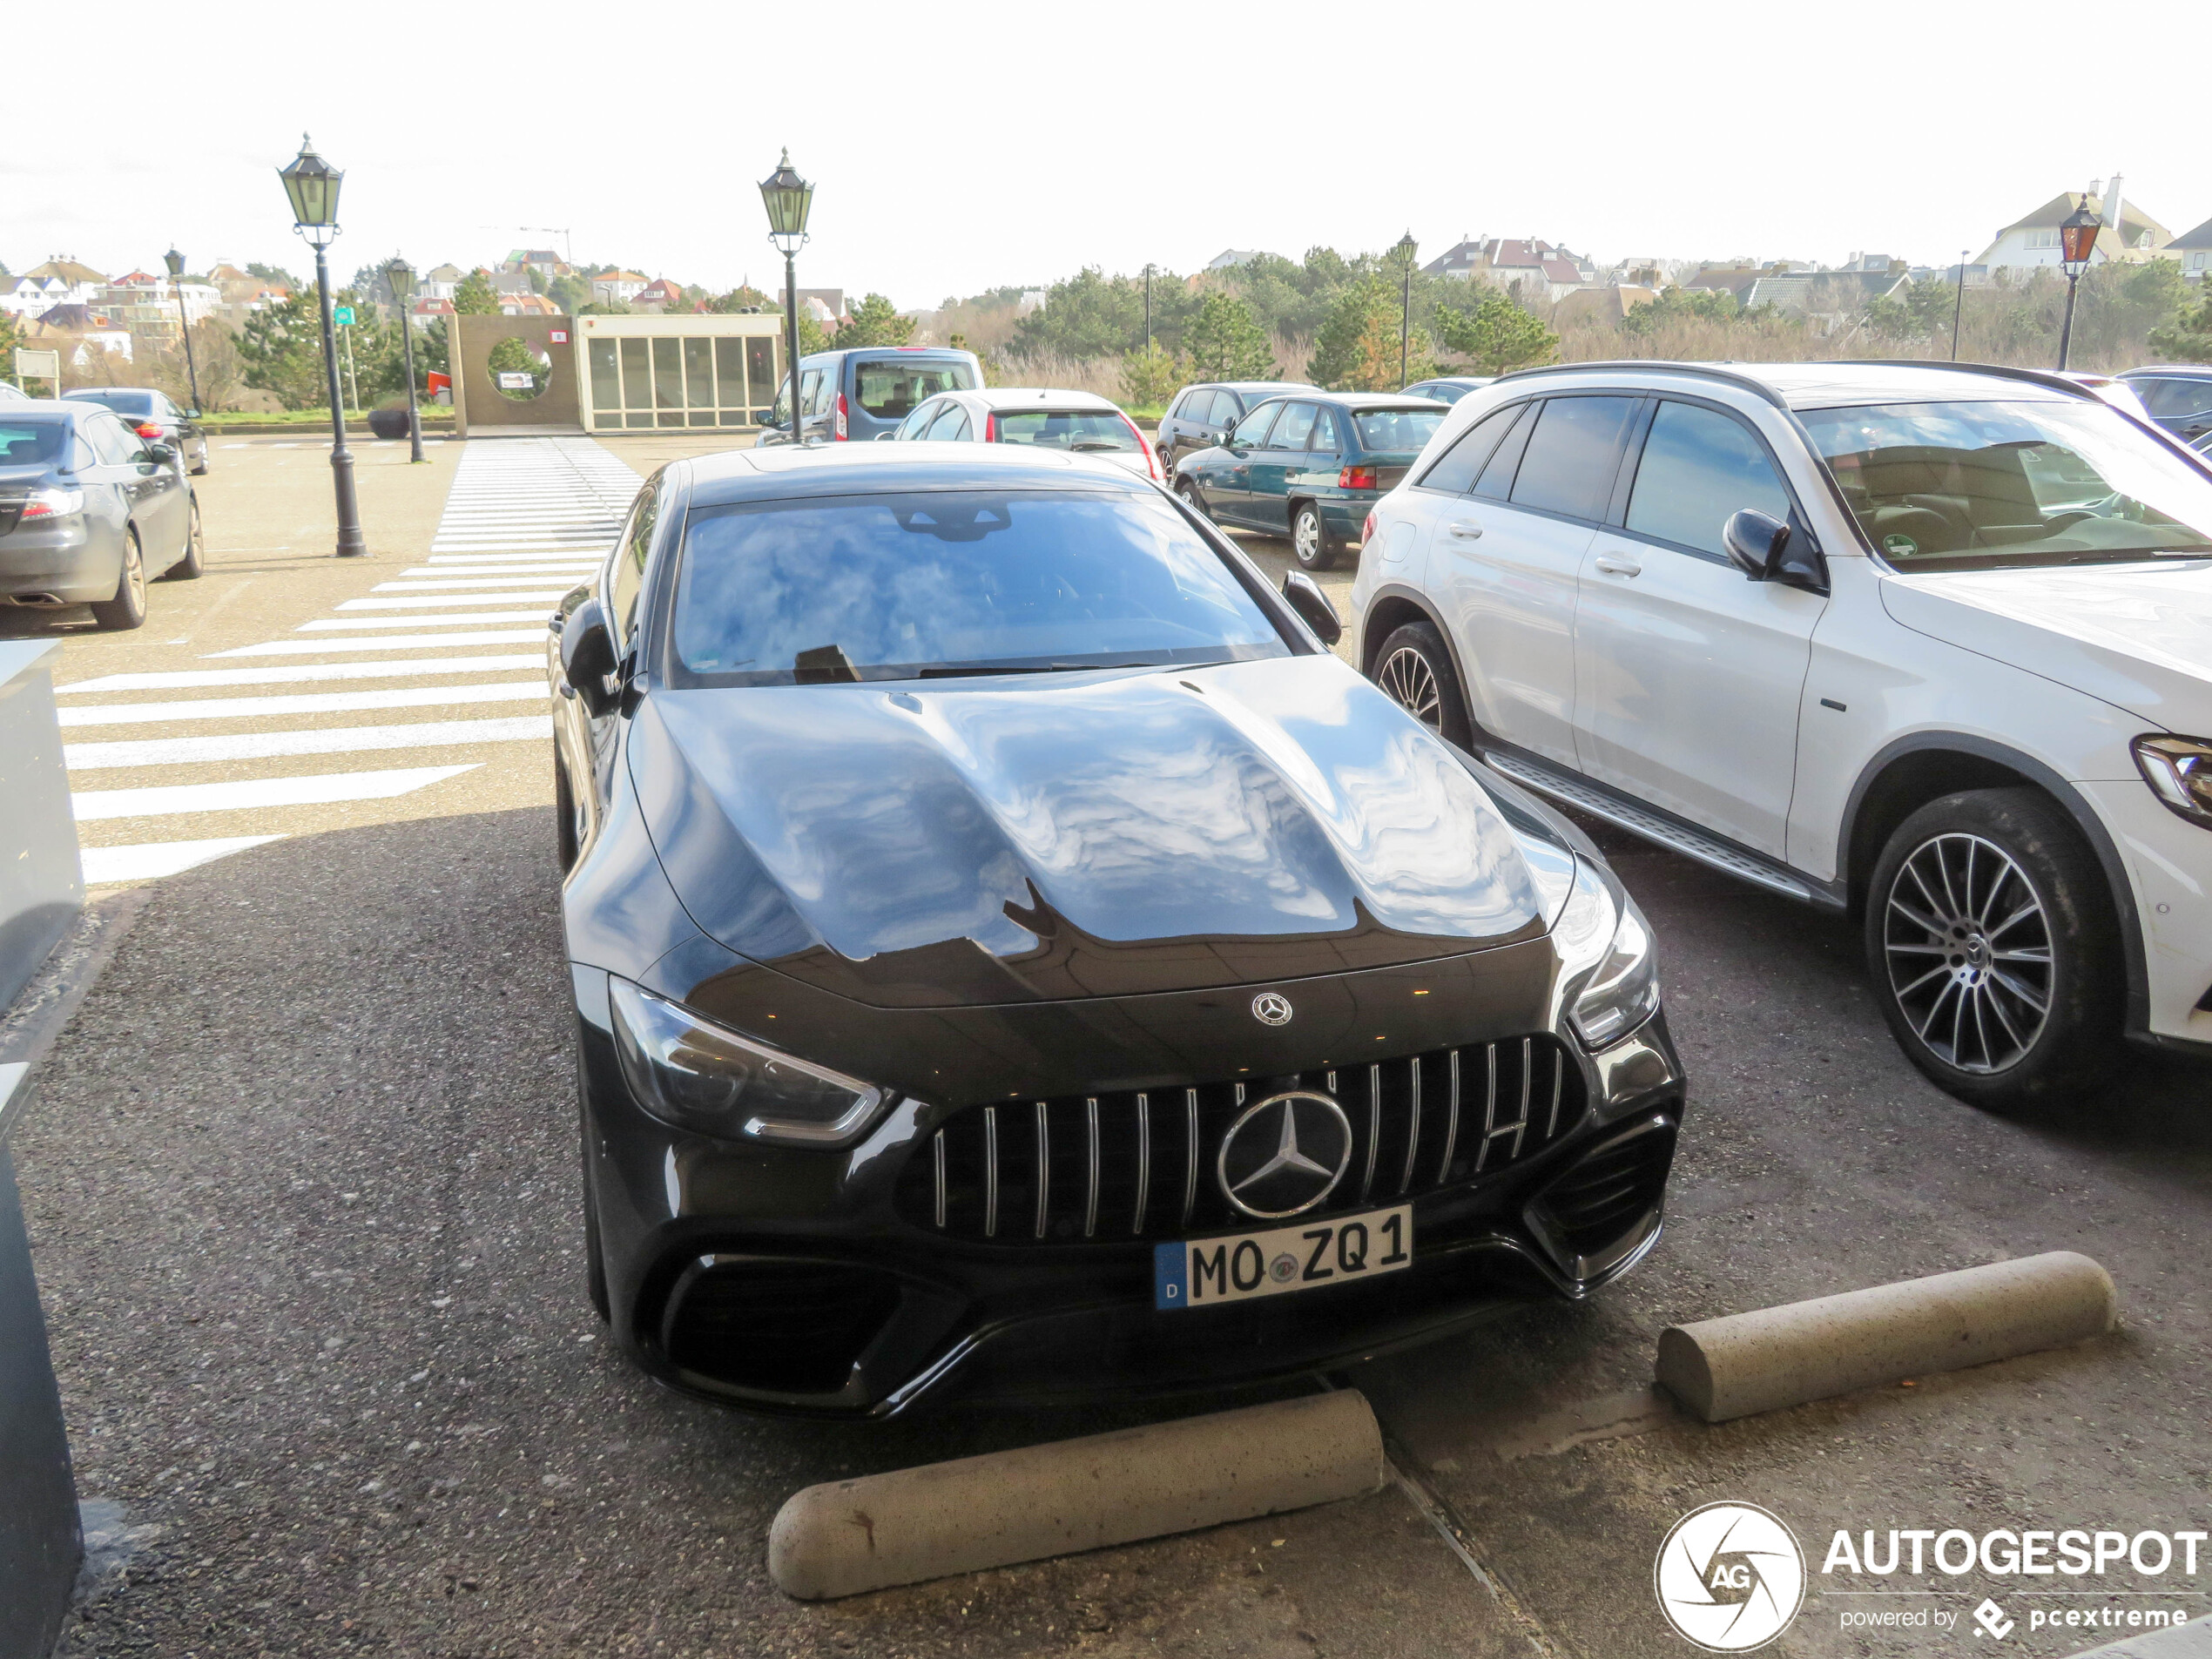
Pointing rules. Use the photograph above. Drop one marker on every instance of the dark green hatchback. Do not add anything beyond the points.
(1310, 466)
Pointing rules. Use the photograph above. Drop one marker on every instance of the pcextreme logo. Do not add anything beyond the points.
(1730, 1577)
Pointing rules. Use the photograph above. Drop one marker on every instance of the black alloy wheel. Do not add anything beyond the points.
(128, 608)
(193, 565)
(1415, 672)
(1313, 541)
(1992, 947)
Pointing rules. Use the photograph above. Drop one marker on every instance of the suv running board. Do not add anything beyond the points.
(1587, 797)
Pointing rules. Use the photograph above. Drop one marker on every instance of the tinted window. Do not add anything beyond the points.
(1573, 455)
(1496, 483)
(1197, 407)
(1381, 430)
(949, 426)
(1087, 431)
(1456, 468)
(890, 389)
(1292, 427)
(912, 426)
(629, 564)
(2170, 400)
(1326, 439)
(900, 587)
(1699, 467)
(31, 443)
(814, 390)
(115, 445)
(121, 403)
(1253, 427)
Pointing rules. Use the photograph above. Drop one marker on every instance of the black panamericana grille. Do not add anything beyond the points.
(1141, 1165)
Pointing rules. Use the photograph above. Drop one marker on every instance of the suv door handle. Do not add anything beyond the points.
(1614, 565)
(1466, 529)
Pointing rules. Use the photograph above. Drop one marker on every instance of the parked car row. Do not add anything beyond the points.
(91, 509)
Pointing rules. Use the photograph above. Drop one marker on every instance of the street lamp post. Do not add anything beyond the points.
(175, 261)
(789, 198)
(1958, 307)
(2077, 240)
(1405, 249)
(399, 276)
(312, 185)
(1149, 270)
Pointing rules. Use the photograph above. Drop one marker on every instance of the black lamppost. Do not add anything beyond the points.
(312, 185)
(1149, 270)
(2077, 240)
(1405, 249)
(789, 198)
(175, 261)
(399, 276)
(1958, 307)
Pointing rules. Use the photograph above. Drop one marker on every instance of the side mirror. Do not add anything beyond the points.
(588, 655)
(1754, 544)
(162, 453)
(1313, 606)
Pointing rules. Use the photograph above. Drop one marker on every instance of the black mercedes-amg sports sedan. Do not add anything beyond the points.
(1013, 956)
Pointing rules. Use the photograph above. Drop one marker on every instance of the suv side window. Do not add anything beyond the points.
(629, 568)
(1458, 468)
(1699, 467)
(1496, 481)
(2170, 400)
(1573, 456)
(1196, 406)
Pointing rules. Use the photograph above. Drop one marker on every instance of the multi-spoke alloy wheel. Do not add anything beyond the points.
(1968, 943)
(1407, 678)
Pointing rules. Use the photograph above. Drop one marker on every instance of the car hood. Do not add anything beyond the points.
(1035, 838)
(2138, 636)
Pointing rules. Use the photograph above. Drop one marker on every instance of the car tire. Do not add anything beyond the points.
(1415, 672)
(568, 843)
(1193, 497)
(193, 564)
(1983, 905)
(128, 608)
(1313, 543)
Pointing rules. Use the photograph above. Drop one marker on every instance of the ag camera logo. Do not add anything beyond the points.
(1730, 1577)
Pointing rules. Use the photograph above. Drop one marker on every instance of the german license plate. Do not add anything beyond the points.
(1199, 1273)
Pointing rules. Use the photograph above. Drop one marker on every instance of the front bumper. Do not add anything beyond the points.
(2169, 870)
(794, 1281)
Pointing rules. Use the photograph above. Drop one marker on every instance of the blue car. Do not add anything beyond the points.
(1310, 466)
(1449, 388)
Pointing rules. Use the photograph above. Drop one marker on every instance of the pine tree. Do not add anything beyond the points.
(1357, 349)
(1498, 334)
(876, 322)
(1226, 342)
(474, 298)
(281, 346)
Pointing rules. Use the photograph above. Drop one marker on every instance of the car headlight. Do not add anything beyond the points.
(1609, 963)
(689, 1072)
(2179, 772)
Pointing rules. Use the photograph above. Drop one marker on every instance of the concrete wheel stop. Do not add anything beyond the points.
(1773, 1358)
(845, 1537)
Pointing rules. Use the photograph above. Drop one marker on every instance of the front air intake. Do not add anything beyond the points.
(779, 1326)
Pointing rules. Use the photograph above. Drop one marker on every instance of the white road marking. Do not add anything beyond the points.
(169, 801)
(450, 601)
(502, 580)
(149, 860)
(466, 616)
(411, 642)
(250, 708)
(192, 678)
(268, 746)
(525, 561)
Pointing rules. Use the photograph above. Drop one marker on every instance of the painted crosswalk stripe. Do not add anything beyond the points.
(449, 601)
(150, 860)
(454, 574)
(471, 560)
(460, 586)
(269, 746)
(170, 800)
(255, 708)
(467, 617)
(369, 642)
(299, 673)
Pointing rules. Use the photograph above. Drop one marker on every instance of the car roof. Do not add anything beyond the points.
(1356, 402)
(787, 470)
(1271, 387)
(1011, 397)
(91, 393)
(50, 406)
(2169, 371)
(886, 351)
(1824, 385)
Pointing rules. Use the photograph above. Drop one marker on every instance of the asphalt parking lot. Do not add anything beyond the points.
(302, 1184)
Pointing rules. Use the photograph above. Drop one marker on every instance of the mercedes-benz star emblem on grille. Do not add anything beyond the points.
(1285, 1155)
(1271, 1007)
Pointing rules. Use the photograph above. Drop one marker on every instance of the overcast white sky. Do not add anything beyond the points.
(963, 145)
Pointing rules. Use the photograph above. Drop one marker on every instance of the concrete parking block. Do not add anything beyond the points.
(1773, 1358)
(844, 1537)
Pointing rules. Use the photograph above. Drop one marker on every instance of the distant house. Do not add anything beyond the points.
(544, 261)
(1827, 299)
(1544, 271)
(659, 294)
(617, 288)
(527, 305)
(2193, 249)
(1737, 279)
(80, 332)
(1229, 258)
(146, 305)
(831, 301)
(441, 282)
(2031, 243)
(430, 309)
(59, 281)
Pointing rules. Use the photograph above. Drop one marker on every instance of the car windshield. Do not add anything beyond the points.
(1079, 429)
(31, 443)
(1382, 429)
(1980, 486)
(121, 403)
(889, 390)
(928, 584)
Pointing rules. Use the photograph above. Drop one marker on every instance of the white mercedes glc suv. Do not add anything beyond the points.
(1929, 645)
